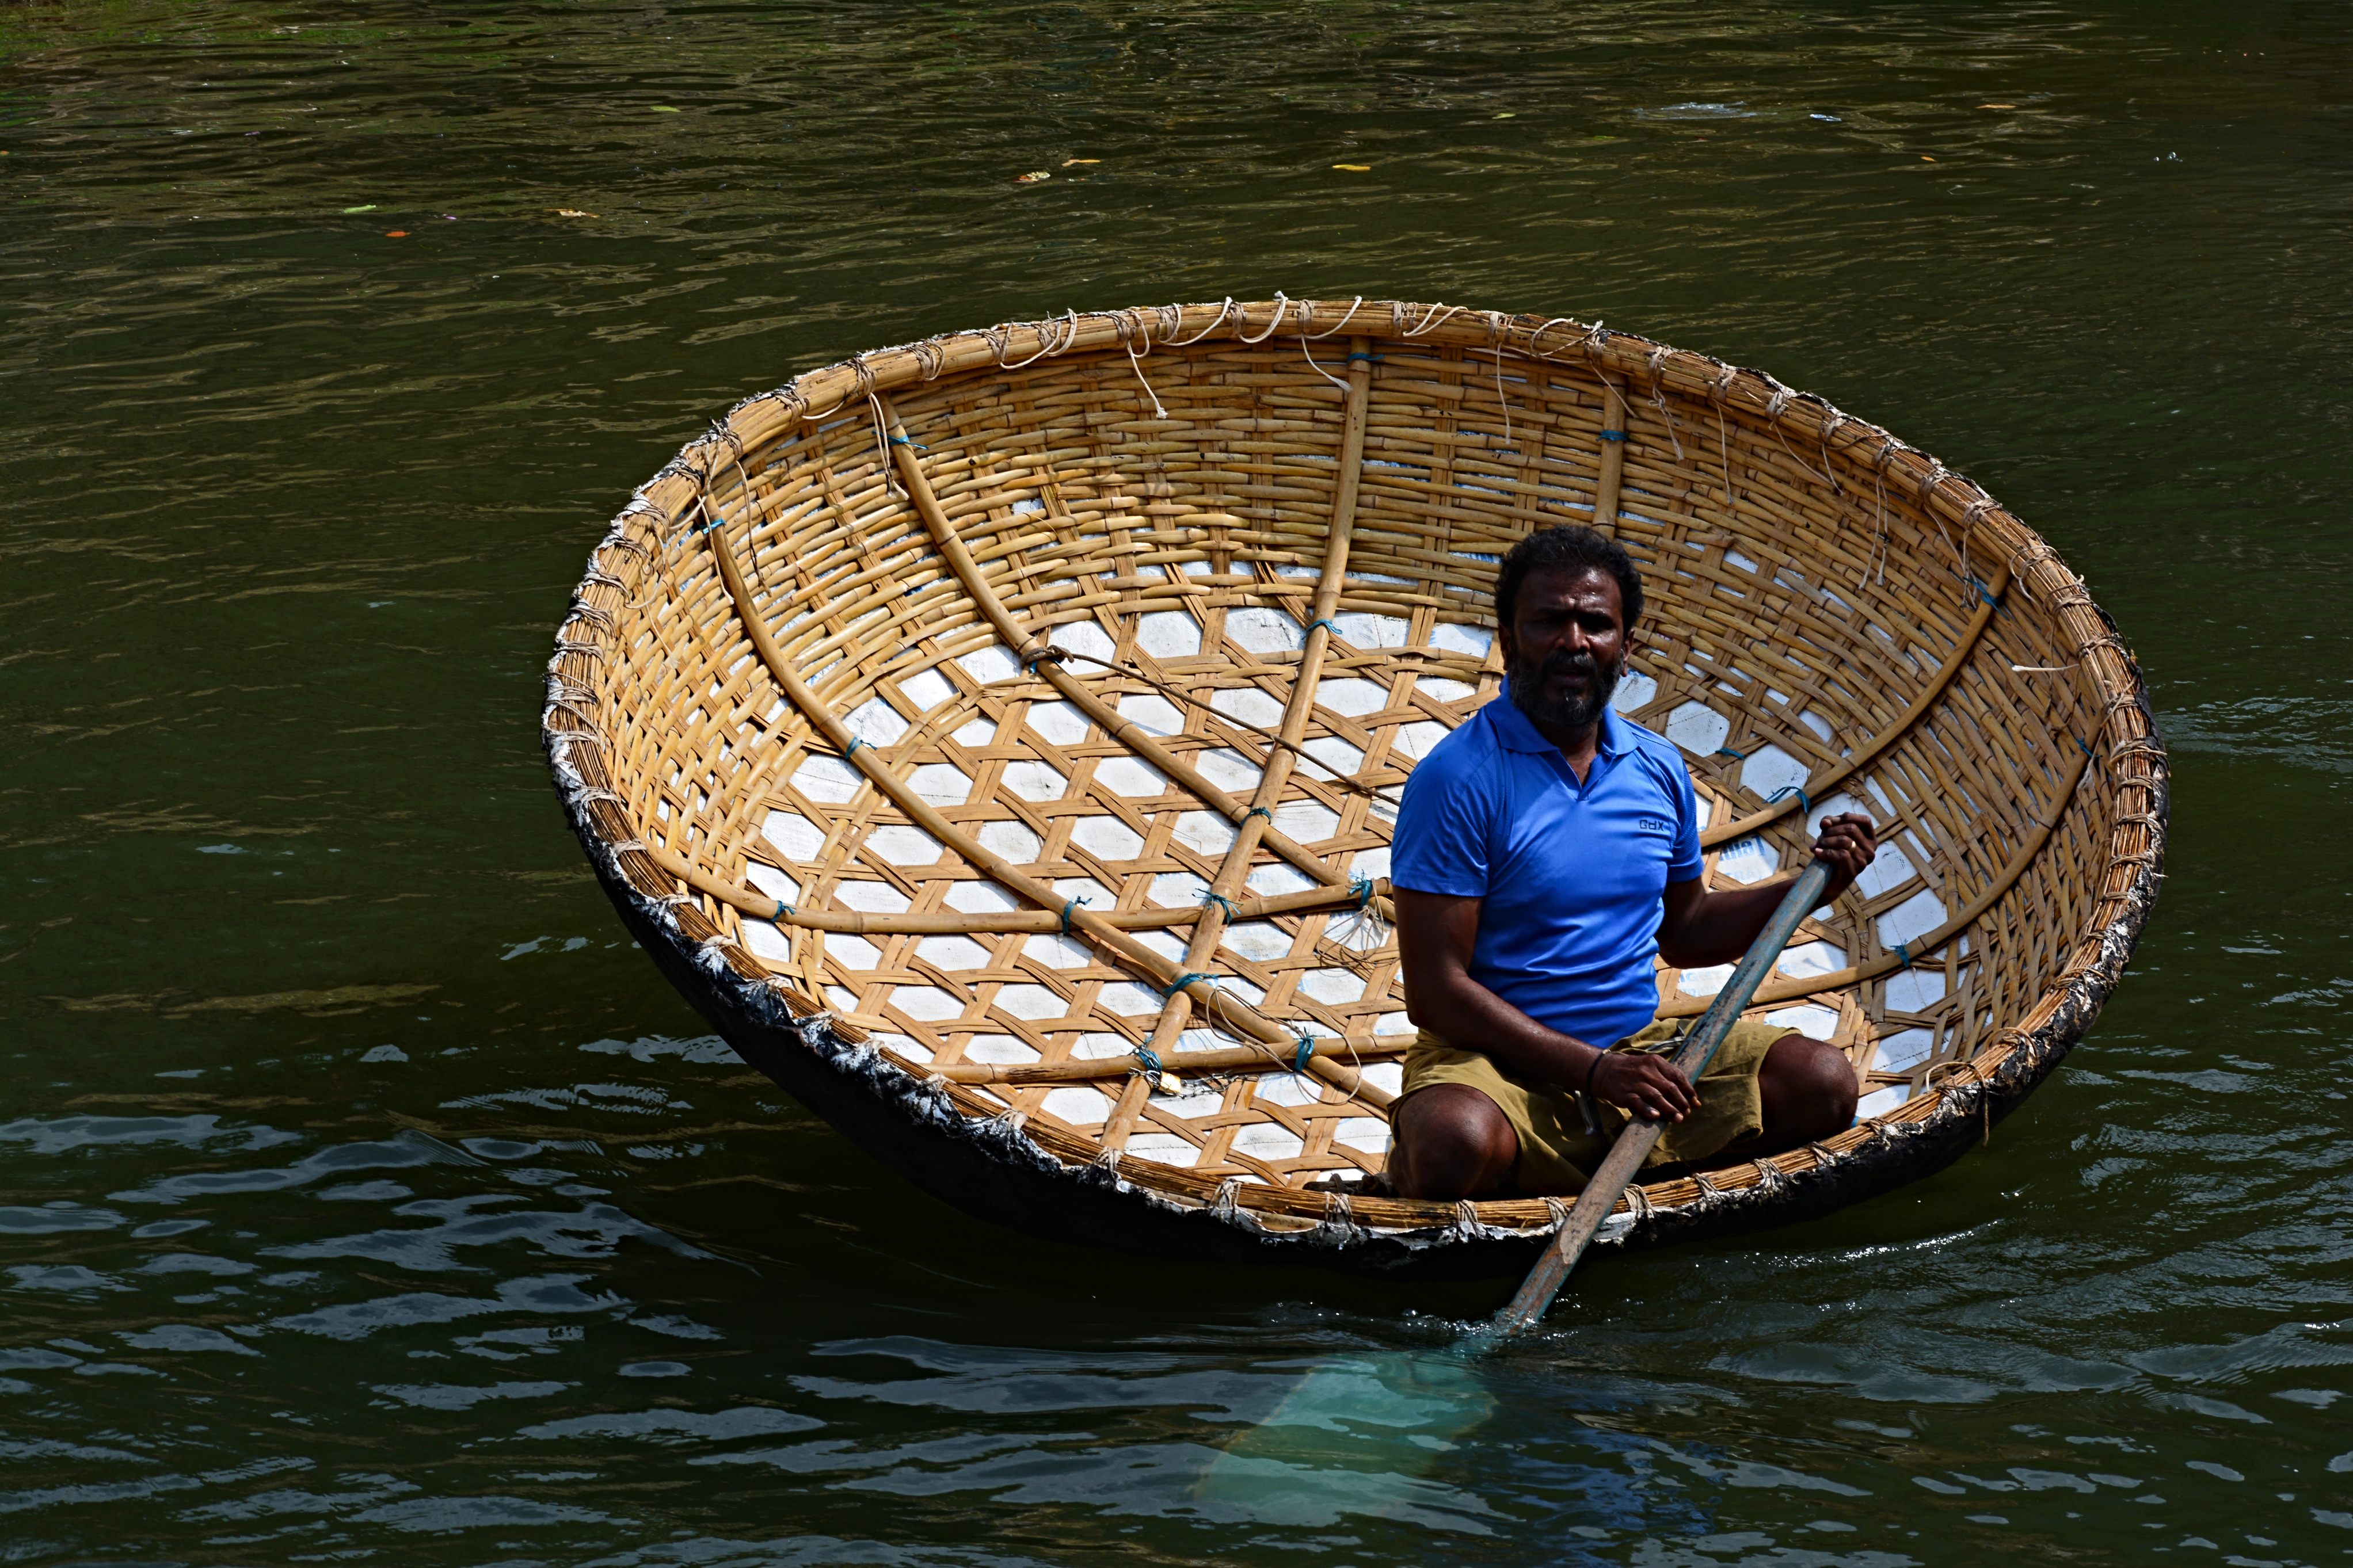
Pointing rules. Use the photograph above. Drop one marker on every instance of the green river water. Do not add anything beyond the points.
(365, 1196)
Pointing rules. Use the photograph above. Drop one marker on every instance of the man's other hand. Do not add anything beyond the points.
(1848, 843)
(1645, 1085)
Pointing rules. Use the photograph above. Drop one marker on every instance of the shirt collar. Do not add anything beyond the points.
(1516, 735)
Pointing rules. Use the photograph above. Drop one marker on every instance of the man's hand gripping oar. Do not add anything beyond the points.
(1634, 1144)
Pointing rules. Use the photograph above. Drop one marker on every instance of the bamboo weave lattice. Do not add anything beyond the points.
(1037, 702)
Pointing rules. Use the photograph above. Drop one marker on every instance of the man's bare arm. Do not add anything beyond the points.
(1435, 935)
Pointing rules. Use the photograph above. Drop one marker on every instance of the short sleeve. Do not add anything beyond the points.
(1683, 865)
(1440, 844)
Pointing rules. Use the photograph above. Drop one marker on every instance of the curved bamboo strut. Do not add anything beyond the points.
(1225, 1059)
(756, 905)
(1135, 954)
(1033, 653)
(1202, 950)
(1822, 784)
(1839, 980)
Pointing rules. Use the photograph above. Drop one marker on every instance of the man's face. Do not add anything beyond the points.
(1565, 649)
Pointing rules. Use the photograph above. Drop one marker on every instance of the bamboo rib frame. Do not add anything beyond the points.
(866, 706)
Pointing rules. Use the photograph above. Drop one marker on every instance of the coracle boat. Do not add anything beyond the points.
(997, 737)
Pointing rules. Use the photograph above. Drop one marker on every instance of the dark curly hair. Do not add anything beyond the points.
(1569, 547)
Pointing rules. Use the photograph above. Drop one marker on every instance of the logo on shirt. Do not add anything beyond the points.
(1654, 825)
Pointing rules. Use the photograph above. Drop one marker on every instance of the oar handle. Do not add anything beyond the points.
(1634, 1144)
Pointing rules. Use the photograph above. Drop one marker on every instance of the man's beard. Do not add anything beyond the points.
(1526, 681)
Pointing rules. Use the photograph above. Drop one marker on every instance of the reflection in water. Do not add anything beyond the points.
(363, 1194)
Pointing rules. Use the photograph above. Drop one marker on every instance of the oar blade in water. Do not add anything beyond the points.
(1356, 1433)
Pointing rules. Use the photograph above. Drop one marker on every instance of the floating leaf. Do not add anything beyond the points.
(1355, 168)
(395, 234)
(570, 212)
(666, 109)
(1509, 115)
(1032, 177)
(369, 207)
(1997, 106)
(1925, 159)
(1068, 161)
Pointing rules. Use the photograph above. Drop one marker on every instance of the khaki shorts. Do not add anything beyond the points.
(1556, 1149)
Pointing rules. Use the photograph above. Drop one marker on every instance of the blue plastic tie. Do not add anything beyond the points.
(903, 441)
(1222, 902)
(2079, 744)
(1257, 811)
(1184, 980)
(1904, 955)
(1305, 1052)
(714, 524)
(850, 749)
(1613, 435)
(1728, 752)
(1149, 1059)
(1805, 801)
(1988, 595)
(1362, 885)
(783, 909)
(1332, 626)
(1363, 356)
(1067, 903)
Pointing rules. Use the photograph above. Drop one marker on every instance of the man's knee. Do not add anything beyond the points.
(1451, 1141)
(1810, 1089)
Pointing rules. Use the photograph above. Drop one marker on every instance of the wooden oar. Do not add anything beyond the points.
(1634, 1144)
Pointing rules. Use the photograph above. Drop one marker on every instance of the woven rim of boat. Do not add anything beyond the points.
(1016, 718)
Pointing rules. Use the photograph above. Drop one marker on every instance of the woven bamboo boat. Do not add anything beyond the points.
(997, 737)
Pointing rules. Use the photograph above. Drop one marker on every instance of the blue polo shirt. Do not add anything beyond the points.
(1574, 874)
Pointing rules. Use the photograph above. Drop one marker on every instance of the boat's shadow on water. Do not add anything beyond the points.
(1287, 1400)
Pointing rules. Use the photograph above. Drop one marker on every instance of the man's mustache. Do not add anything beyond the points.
(1583, 664)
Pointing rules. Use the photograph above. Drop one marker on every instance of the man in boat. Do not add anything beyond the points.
(1544, 853)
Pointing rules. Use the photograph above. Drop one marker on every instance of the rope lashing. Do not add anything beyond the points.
(1149, 1060)
(1805, 801)
(1613, 435)
(1049, 654)
(1301, 1058)
(1068, 904)
(1256, 811)
(1184, 980)
(1233, 911)
(1362, 929)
